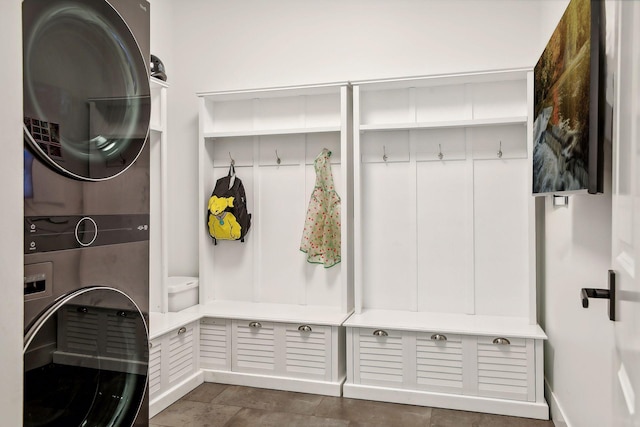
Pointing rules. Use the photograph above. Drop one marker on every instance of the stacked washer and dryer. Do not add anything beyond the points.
(86, 212)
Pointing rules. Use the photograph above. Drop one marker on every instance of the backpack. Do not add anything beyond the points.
(228, 218)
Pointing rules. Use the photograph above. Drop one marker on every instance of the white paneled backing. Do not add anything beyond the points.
(181, 353)
(379, 360)
(282, 210)
(488, 141)
(442, 236)
(501, 239)
(429, 144)
(442, 103)
(321, 110)
(215, 343)
(254, 347)
(155, 368)
(388, 237)
(385, 106)
(307, 354)
(290, 149)
(384, 147)
(315, 142)
(439, 365)
(499, 99)
(228, 116)
(232, 261)
(224, 150)
(506, 371)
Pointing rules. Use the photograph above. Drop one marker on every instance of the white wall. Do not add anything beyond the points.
(576, 254)
(11, 224)
(221, 45)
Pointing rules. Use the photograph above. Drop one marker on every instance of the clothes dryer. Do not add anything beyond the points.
(86, 212)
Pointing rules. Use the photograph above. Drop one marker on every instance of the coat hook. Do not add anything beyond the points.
(233, 162)
(440, 155)
(384, 153)
(278, 160)
(500, 151)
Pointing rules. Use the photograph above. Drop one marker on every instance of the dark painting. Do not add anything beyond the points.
(562, 89)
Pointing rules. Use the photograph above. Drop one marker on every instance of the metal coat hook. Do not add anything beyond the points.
(500, 151)
(233, 162)
(384, 153)
(278, 160)
(440, 155)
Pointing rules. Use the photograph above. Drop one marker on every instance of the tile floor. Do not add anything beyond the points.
(212, 405)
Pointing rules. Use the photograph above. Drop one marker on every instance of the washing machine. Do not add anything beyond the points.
(86, 212)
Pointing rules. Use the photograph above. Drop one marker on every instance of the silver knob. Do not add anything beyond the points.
(501, 341)
(304, 328)
(438, 337)
(182, 330)
(380, 333)
(255, 325)
(150, 344)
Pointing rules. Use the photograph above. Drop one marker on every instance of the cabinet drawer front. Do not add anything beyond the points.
(308, 352)
(439, 362)
(379, 359)
(506, 370)
(155, 380)
(254, 346)
(214, 343)
(181, 353)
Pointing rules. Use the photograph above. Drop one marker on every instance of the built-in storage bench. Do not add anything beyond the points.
(173, 358)
(444, 248)
(268, 317)
(277, 353)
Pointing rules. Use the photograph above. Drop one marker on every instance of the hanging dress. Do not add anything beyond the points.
(321, 234)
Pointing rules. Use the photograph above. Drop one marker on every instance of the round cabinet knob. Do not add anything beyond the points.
(304, 328)
(438, 337)
(380, 333)
(86, 231)
(501, 341)
(255, 325)
(182, 330)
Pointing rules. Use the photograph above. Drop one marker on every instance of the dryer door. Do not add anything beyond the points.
(86, 88)
(85, 361)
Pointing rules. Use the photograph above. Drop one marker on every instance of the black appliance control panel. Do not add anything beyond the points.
(56, 233)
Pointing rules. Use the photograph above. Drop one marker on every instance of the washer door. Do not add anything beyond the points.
(86, 361)
(86, 88)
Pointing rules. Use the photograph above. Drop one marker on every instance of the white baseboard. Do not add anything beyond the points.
(538, 410)
(557, 414)
(276, 383)
(161, 402)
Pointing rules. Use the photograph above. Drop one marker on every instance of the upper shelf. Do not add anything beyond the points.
(264, 132)
(446, 124)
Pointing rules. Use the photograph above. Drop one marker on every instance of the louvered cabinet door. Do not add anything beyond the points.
(308, 351)
(155, 365)
(439, 362)
(253, 347)
(506, 368)
(378, 357)
(181, 351)
(215, 348)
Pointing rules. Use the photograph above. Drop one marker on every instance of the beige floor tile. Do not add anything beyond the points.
(368, 413)
(256, 417)
(186, 413)
(205, 392)
(269, 400)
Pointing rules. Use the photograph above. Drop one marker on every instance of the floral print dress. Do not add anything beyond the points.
(321, 234)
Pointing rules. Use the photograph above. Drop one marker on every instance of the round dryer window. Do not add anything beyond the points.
(85, 361)
(86, 88)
